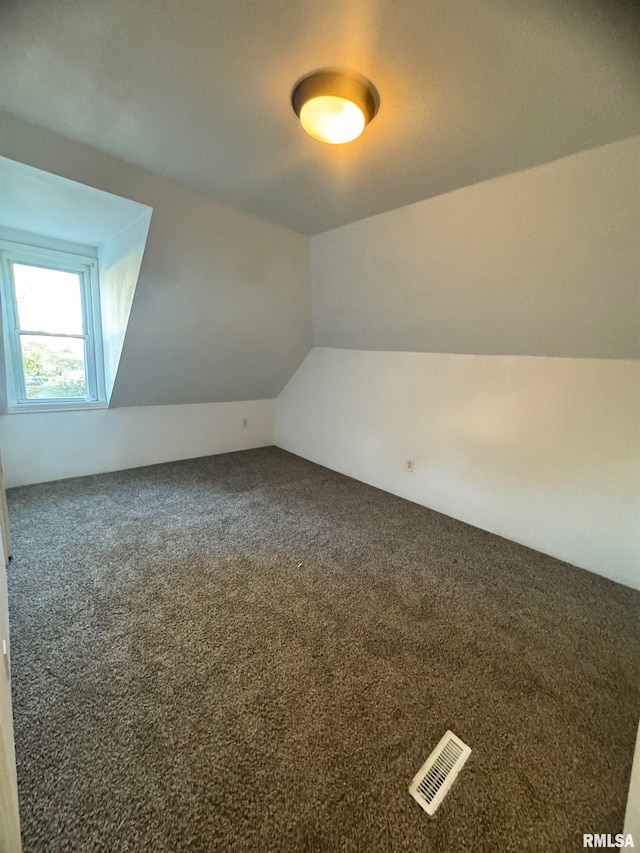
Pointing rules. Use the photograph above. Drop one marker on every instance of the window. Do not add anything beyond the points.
(51, 318)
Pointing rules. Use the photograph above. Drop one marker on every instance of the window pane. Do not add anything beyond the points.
(53, 367)
(48, 300)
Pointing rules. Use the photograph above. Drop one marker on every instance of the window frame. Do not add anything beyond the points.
(86, 268)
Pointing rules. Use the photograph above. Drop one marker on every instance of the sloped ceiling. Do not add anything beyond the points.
(222, 308)
(199, 92)
(38, 202)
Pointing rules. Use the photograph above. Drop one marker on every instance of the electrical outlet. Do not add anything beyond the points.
(408, 465)
(245, 422)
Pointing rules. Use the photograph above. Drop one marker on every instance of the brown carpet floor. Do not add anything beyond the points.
(250, 652)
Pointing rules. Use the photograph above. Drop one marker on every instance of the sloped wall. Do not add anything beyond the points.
(541, 262)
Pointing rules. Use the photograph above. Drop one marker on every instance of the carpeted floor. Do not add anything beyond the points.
(252, 653)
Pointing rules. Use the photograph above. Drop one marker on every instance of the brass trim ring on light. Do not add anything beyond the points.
(341, 84)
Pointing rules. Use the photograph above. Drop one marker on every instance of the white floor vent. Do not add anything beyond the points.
(437, 774)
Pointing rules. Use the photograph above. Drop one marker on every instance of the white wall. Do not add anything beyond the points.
(543, 451)
(54, 445)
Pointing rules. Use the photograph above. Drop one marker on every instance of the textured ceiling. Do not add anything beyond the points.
(199, 92)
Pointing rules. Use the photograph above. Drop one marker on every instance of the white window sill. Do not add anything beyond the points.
(23, 408)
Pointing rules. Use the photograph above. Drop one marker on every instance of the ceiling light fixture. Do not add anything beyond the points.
(334, 106)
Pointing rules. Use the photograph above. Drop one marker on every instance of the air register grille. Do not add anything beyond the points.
(437, 774)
